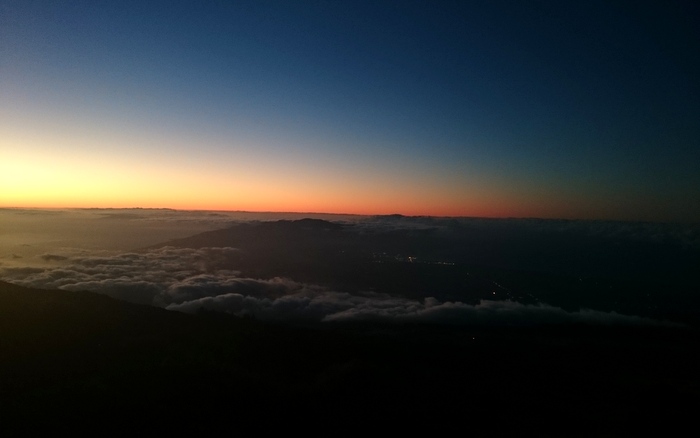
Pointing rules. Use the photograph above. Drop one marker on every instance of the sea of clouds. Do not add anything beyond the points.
(187, 280)
(87, 250)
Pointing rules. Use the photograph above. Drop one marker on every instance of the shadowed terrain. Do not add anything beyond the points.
(72, 360)
(608, 266)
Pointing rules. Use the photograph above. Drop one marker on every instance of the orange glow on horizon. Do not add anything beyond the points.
(35, 172)
(252, 204)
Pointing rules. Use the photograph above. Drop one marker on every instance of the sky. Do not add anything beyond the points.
(585, 110)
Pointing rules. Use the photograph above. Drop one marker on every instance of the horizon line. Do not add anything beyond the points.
(355, 214)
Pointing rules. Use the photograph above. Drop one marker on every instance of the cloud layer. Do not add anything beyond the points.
(328, 306)
(187, 280)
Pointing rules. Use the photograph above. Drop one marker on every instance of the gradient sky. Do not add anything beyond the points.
(496, 108)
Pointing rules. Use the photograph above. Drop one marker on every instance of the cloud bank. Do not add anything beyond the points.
(328, 306)
(187, 280)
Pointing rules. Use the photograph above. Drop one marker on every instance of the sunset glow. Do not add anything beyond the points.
(374, 108)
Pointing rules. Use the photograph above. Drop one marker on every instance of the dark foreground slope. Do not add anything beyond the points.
(74, 361)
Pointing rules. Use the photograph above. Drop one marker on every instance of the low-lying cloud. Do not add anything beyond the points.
(139, 277)
(53, 257)
(328, 306)
(190, 280)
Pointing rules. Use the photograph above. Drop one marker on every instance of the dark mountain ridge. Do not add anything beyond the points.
(569, 265)
(74, 361)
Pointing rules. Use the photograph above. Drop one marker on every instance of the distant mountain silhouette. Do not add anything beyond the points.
(534, 261)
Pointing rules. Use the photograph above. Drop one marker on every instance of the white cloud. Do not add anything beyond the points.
(186, 279)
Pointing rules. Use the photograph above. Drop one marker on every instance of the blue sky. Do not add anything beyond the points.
(547, 109)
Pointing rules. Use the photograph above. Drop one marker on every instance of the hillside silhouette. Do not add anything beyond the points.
(77, 360)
